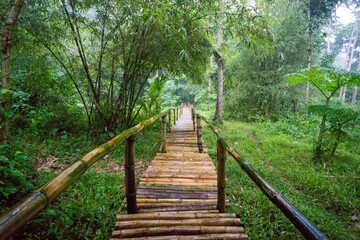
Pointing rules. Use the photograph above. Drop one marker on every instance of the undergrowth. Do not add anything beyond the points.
(88, 208)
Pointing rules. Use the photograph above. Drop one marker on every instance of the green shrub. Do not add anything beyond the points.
(16, 172)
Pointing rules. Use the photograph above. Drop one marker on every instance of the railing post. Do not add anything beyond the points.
(221, 159)
(193, 118)
(177, 114)
(174, 116)
(163, 134)
(130, 174)
(169, 114)
(199, 134)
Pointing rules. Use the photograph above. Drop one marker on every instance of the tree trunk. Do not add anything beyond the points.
(350, 55)
(5, 51)
(318, 149)
(355, 88)
(307, 91)
(336, 144)
(219, 62)
(354, 94)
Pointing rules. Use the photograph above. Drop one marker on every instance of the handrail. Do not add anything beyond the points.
(27, 209)
(306, 228)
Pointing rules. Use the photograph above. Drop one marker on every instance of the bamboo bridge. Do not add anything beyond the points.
(180, 196)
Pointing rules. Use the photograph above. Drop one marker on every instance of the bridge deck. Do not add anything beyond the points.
(177, 195)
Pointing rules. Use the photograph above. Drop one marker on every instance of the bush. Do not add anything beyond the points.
(16, 171)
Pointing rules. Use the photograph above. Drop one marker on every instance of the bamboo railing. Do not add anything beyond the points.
(306, 228)
(27, 209)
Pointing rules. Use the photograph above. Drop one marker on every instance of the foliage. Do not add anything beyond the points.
(255, 78)
(342, 121)
(152, 100)
(16, 171)
(127, 45)
(178, 90)
(86, 210)
(328, 81)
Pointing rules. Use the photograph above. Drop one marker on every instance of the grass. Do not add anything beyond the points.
(326, 193)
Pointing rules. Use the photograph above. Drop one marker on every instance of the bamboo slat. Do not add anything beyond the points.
(180, 208)
(178, 222)
(174, 215)
(176, 230)
(195, 237)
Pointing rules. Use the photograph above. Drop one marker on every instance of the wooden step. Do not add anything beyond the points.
(175, 230)
(195, 237)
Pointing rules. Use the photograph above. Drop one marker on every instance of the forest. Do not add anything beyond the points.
(278, 78)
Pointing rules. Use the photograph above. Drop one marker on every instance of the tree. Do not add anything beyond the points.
(5, 102)
(247, 25)
(328, 81)
(109, 50)
(255, 83)
(317, 12)
(220, 72)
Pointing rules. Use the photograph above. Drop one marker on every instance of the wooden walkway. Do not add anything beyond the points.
(177, 195)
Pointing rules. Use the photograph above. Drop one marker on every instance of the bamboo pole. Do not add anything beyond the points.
(169, 114)
(27, 209)
(130, 175)
(174, 116)
(173, 216)
(193, 117)
(163, 134)
(221, 159)
(305, 227)
(199, 135)
(178, 222)
(175, 230)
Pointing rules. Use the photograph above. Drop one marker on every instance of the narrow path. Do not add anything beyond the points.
(177, 195)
